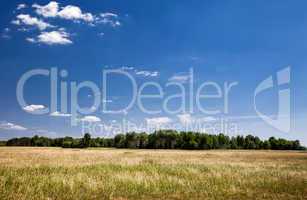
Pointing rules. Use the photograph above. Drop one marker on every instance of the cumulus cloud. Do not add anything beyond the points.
(54, 10)
(34, 108)
(49, 10)
(158, 121)
(52, 38)
(11, 126)
(25, 19)
(21, 6)
(59, 114)
(74, 13)
(68, 12)
(90, 118)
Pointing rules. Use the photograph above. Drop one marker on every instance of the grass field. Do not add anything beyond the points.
(54, 173)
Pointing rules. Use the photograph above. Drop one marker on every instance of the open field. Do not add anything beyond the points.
(55, 173)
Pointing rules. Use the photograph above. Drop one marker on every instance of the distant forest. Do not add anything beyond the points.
(163, 139)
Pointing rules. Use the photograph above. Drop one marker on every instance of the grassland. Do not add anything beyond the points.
(54, 173)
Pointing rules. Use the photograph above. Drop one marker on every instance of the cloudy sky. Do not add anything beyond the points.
(154, 41)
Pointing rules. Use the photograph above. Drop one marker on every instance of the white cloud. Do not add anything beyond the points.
(90, 119)
(25, 19)
(108, 18)
(180, 78)
(34, 108)
(158, 121)
(58, 114)
(11, 126)
(188, 119)
(74, 13)
(68, 12)
(108, 14)
(52, 38)
(21, 6)
(147, 73)
(109, 21)
(185, 118)
(54, 10)
(49, 10)
(207, 119)
(32, 40)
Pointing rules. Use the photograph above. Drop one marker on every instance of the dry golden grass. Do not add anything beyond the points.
(55, 173)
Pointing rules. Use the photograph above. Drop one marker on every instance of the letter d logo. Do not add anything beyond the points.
(282, 121)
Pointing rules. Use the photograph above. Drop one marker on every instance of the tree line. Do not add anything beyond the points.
(162, 139)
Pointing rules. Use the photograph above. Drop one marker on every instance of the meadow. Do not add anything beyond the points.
(32, 173)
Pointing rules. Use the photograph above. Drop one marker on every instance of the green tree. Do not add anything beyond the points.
(143, 138)
(119, 141)
(86, 140)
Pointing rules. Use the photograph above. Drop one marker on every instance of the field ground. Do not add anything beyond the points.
(55, 173)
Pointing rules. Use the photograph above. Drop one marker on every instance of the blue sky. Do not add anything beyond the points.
(159, 41)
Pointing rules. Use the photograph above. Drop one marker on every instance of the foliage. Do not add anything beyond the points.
(162, 139)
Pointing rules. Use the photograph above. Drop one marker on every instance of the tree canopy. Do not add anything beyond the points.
(162, 139)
